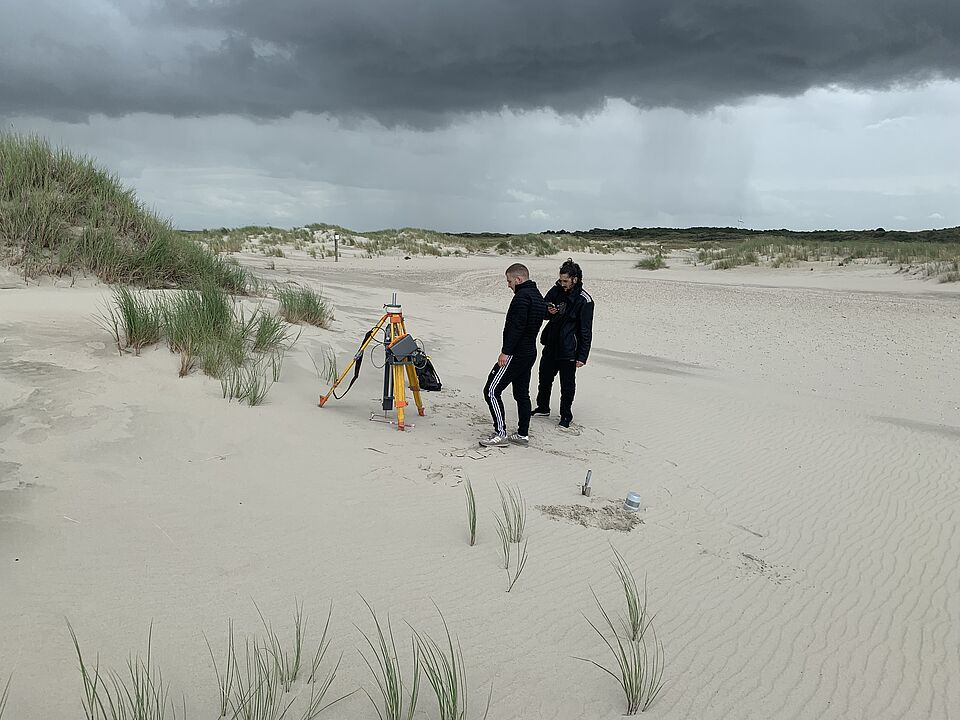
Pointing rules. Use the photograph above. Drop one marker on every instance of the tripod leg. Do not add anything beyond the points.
(388, 377)
(369, 338)
(415, 387)
(399, 394)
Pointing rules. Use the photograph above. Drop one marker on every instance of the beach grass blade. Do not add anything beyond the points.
(388, 674)
(471, 511)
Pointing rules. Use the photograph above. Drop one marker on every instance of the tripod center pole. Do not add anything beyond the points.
(394, 306)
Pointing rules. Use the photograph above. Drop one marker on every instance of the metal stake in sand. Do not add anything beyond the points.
(585, 488)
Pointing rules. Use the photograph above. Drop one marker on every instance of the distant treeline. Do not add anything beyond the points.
(694, 235)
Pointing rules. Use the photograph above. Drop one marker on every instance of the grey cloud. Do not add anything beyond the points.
(421, 63)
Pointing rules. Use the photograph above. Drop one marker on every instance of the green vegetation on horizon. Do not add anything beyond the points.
(935, 252)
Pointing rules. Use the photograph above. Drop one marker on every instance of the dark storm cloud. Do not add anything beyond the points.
(420, 62)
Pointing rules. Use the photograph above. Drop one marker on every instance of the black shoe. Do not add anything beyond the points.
(564, 423)
(542, 412)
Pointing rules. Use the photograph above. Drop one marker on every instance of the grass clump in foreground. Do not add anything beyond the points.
(61, 213)
(510, 529)
(388, 674)
(203, 327)
(446, 673)
(139, 693)
(302, 305)
(261, 682)
(639, 670)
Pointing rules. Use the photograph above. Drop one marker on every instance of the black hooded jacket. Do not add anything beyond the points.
(568, 334)
(524, 318)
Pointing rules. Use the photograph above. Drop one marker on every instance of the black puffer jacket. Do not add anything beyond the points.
(568, 334)
(524, 318)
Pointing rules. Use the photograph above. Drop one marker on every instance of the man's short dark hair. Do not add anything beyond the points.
(518, 270)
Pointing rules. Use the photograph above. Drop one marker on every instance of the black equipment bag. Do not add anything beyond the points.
(427, 374)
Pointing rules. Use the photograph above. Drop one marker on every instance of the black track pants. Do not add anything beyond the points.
(517, 373)
(549, 367)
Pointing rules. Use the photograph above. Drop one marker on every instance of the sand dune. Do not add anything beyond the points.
(794, 435)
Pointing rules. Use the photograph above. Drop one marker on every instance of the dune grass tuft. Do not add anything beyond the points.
(514, 514)
(260, 679)
(639, 657)
(269, 332)
(286, 662)
(446, 673)
(247, 383)
(510, 530)
(330, 368)
(135, 319)
(258, 693)
(61, 213)
(388, 674)
(303, 305)
(636, 619)
(651, 262)
(140, 693)
(226, 679)
(204, 328)
(320, 685)
(264, 679)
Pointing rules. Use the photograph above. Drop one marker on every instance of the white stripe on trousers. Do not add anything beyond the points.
(500, 423)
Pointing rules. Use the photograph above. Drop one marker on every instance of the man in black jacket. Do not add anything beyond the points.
(517, 356)
(566, 340)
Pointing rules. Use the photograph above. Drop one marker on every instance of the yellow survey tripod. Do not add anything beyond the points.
(401, 357)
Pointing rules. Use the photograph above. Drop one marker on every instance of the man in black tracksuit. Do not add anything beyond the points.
(566, 340)
(517, 356)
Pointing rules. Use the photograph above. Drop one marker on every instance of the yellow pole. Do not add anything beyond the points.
(415, 387)
(399, 394)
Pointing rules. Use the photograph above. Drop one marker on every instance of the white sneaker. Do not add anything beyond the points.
(495, 441)
(518, 439)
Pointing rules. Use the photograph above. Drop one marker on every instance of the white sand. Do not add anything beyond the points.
(795, 437)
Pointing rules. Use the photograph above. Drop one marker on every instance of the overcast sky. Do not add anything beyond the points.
(502, 115)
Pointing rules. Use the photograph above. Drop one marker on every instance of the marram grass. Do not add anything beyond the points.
(245, 352)
(60, 213)
(514, 513)
(446, 672)
(303, 305)
(388, 674)
(471, 511)
(140, 693)
(639, 657)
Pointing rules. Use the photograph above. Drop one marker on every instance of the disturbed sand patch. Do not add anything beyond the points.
(604, 517)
